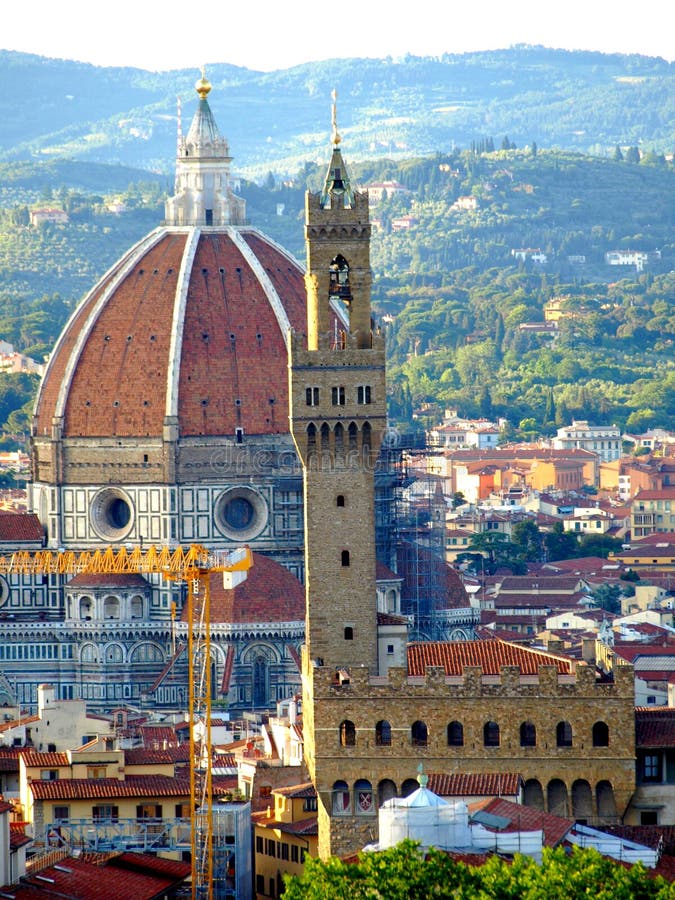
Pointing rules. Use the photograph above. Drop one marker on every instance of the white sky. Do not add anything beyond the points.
(261, 34)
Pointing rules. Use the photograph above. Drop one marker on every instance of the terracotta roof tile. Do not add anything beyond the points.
(32, 759)
(16, 527)
(140, 756)
(390, 619)
(655, 727)
(489, 655)
(526, 818)
(110, 788)
(485, 784)
(557, 584)
(92, 579)
(270, 593)
(297, 791)
(136, 875)
(384, 573)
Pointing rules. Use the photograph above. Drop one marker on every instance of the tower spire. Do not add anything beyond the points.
(337, 191)
(336, 136)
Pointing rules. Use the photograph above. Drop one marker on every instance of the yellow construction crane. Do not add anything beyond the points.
(194, 566)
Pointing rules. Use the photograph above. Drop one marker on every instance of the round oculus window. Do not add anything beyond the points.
(241, 514)
(112, 514)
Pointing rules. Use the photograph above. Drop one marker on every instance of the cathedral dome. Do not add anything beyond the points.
(163, 415)
(189, 326)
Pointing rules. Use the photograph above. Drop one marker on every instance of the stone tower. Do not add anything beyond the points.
(471, 707)
(338, 417)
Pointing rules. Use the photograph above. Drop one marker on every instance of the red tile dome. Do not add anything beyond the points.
(191, 323)
(270, 593)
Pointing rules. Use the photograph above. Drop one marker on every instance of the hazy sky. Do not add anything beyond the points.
(271, 35)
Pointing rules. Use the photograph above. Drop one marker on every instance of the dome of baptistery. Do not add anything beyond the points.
(163, 413)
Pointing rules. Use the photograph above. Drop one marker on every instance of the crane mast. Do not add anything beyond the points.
(193, 566)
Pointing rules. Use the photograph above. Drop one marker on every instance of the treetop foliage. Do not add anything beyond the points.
(404, 872)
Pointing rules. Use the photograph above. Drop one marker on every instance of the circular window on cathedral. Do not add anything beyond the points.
(112, 514)
(240, 514)
(4, 591)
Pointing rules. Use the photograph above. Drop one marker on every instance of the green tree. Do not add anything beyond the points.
(529, 540)
(498, 551)
(598, 545)
(560, 544)
(405, 872)
(608, 596)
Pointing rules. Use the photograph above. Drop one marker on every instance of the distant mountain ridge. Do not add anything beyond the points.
(584, 101)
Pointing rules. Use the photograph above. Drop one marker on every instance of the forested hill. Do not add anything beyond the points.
(400, 107)
(456, 301)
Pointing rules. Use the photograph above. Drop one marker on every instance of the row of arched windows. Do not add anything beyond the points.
(580, 799)
(340, 439)
(419, 734)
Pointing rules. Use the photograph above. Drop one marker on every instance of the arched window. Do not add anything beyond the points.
(364, 804)
(455, 734)
(349, 633)
(352, 432)
(340, 500)
(491, 734)
(86, 608)
(528, 734)
(419, 734)
(366, 438)
(342, 799)
(557, 798)
(325, 438)
(146, 652)
(386, 789)
(605, 799)
(339, 279)
(600, 735)
(533, 794)
(582, 801)
(563, 734)
(339, 433)
(111, 608)
(260, 681)
(113, 653)
(347, 734)
(311, 438)
(88, 653)
(345, 557)
(409, 786)
(383, 733)
(136, 608)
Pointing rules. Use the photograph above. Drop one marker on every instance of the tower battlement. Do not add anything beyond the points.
(358, 683)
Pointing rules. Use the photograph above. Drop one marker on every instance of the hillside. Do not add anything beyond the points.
(582, 101)
(449, 286)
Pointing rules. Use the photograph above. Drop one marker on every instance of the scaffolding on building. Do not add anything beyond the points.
(416, 510)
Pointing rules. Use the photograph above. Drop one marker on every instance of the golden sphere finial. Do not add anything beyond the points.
(203, 86)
